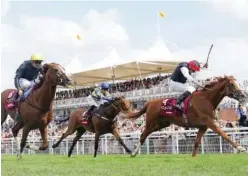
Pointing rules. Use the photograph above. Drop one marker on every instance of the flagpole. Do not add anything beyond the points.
(158, 25)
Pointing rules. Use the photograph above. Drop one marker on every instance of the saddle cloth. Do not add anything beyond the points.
(168, 107)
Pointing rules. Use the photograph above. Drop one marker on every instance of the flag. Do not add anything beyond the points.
(161, 14)
(78, 37)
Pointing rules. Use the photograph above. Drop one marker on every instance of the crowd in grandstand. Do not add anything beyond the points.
(125, 126)
(134, 84)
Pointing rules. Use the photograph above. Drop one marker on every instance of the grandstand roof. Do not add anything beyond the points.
(123, 71)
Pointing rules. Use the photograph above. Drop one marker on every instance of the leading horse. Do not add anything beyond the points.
(198, 111)
(103, 121)
(36, 109)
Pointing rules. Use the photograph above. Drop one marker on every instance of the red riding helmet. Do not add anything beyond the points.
(194, 65)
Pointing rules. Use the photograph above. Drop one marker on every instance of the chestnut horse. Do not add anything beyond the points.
(199, 112)
(103, 121)
(36, 110)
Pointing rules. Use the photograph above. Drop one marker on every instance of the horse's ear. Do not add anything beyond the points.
(45, 67)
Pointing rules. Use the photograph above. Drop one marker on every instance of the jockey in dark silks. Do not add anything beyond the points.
(179, 77)
(99, 96)
(28, 74)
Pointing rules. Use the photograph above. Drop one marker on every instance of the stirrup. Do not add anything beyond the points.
(178, 107)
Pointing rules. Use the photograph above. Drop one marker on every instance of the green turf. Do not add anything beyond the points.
(121, 165)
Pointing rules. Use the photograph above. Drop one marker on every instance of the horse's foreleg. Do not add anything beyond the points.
(80, 132)
(43, 132)
(219, 131)
(200, 133)
(97, 136)
(117, 136)
(25, 132)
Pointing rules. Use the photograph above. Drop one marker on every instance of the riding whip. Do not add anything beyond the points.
(209, 53)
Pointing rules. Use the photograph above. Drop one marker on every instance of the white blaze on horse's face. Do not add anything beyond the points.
(65, 78)
(235, 84)
(63, 71)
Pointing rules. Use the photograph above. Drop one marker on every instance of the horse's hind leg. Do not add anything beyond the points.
(64, 135)
(80, 132)
(200, 133)
(150, 127)
(117, 136)
(97, 136)
(15, 131)
(3, 115)
(25, 132)
(219, 131)
(143, 137)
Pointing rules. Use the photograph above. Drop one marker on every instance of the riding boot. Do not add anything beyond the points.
(17, 115)
(88, 113)
(180, 99)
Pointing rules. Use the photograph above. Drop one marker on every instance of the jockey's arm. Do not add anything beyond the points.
(107, 96)
(19, 74)
(203, 66)
(185, 72)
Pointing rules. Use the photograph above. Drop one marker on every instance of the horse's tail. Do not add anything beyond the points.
(135, 115)
(63, 120)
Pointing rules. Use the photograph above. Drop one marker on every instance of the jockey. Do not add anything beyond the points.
(27, 74)
(179, 77)
(100, 96)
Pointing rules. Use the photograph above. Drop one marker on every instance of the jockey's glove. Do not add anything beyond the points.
(108, 98)
(196, 83)
(37, 80)
(20, 92)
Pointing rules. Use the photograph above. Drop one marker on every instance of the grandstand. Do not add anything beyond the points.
(138, 81)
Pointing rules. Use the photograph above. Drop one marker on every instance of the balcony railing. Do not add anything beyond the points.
(136, 95)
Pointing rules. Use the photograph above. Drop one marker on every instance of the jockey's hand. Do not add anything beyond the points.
(40, 76)
(205, 65)
(20, 92)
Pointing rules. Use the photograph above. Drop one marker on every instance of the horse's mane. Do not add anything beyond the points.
(217, 80)
(45, 69)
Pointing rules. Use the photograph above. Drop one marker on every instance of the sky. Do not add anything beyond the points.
(124, 30)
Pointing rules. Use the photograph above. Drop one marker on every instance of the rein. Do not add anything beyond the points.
(115, 116)
(43, 110)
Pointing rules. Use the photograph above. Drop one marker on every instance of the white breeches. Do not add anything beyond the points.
(180, 87)
(95, 102)
(25, 84)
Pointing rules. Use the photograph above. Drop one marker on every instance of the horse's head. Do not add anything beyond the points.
(230, 87)
(55, 74)
(122, 104)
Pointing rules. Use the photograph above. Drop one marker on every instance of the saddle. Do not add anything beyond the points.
(87, 116)
(12, 103)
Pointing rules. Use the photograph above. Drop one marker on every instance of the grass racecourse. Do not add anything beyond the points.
(123, 165)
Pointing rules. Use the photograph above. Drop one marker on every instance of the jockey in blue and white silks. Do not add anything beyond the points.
(99, 96)
(28, 73)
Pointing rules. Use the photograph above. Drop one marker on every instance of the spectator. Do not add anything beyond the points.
(241, 115)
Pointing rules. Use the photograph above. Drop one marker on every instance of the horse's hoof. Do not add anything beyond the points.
(133, 155)
(241, 149)
(19, 156)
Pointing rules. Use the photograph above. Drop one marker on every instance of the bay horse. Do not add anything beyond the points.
(198, 111)
(36, 109)
(102, 121)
